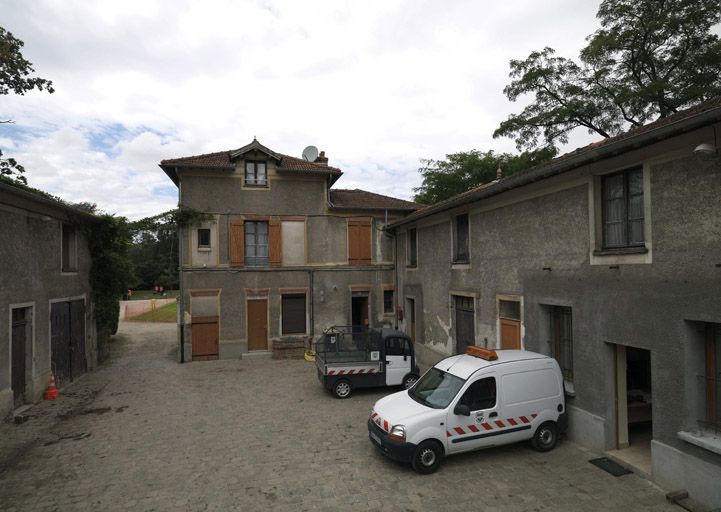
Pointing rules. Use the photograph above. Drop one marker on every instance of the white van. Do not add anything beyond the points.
(476, 400)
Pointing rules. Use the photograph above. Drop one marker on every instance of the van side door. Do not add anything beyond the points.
(398, 360)
(480, 400)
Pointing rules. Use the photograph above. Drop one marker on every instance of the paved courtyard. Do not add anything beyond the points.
(145, 433)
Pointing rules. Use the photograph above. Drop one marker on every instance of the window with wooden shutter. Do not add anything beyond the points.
(293, 313)
(274, 241)
(359, 241)
(237, 243)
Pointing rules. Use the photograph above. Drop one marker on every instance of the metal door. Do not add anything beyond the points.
(19, 328)
(258, 324)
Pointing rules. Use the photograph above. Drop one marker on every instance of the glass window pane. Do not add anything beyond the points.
(635, 182)
(635, 207)
(263, 228)
(613, 186)
(636, 231)
(615, 210)
(614, 234)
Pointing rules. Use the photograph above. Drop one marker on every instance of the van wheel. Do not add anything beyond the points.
(342, 389)
(546, 437)
(409, 381)
(427, 457)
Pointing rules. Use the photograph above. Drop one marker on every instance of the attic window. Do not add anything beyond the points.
(255, 174)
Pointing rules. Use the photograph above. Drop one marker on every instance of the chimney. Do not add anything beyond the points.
(322, 159)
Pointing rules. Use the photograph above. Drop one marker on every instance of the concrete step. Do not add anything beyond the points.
(20, 414)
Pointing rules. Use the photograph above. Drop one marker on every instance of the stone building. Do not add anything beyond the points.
(45, 297)
(282, 256)
(609, 259)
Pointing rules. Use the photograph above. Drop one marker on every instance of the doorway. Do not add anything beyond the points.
(411, 318)
(509, 316)
(21, 359)
(359, 309)
(258, 324)
(67, 340)
(463, 319)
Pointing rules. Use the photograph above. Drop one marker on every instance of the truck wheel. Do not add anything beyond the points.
(427, 457)
(342, 389)
(409, 380)
(546, 437)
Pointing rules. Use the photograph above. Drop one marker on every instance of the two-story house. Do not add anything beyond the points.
(45, 296)
(282, 255)
(609, 259)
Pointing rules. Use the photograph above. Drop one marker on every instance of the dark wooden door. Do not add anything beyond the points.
(60, 342)
(78, 363)
(19, 328)
(510, 333)
(465, 330)
(205, 333)
(258, 324)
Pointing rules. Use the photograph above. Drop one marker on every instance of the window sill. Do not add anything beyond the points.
(620, 251)
(204, 249)
(460, 265)
(412, 266)
(68, 272)
(705, 439)
(256, 185)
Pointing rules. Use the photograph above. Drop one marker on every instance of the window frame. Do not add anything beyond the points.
(556, 314)
(256, 261)
(626, 221)
(293, 295)
(712, 367)
(412, 253)
(388, 311)
(68, 235)
(255, 181)
(201, 245)
(458, 257)
(472, 384)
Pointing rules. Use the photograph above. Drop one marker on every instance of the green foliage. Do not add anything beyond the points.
(463, 171)
(108, 242)
(649, 59)
(10, 169)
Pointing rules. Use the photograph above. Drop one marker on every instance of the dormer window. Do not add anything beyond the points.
(255, 174)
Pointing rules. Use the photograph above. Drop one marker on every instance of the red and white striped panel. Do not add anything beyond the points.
(383, 424)
(494, 425)
(354, 370)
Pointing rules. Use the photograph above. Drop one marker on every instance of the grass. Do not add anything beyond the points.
(149, 294)
(167, 313)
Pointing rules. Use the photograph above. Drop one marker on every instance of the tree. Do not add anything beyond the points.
(15, 77)
(649, 59)
(461, 172)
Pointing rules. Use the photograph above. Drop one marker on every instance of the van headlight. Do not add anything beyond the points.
(398, 433)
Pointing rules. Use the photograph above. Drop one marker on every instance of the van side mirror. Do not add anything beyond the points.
(462, 410)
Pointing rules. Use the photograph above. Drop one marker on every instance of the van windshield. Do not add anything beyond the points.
(436, 388)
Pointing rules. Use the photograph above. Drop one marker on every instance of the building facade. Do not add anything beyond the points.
(281, 255)
(45, 296)
(609, 259)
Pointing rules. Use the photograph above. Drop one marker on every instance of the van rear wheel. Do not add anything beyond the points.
(546, 437)
(342, 389)
(427, 457)
(409, 380)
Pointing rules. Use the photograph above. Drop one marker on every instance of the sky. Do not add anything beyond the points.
(377, 85)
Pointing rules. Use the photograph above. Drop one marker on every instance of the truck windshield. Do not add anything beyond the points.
(436, 388)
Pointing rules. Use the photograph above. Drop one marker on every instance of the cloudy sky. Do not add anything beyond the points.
(377, 85)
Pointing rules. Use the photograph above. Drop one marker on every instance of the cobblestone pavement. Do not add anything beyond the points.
(145, 433)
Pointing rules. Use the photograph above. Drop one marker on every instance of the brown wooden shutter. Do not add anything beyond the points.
(359, 241)
(237, 243)
(274, 243)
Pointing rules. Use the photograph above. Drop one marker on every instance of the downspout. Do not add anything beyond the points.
(310, 307)
(181, 296)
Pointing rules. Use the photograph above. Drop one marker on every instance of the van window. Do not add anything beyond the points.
(529, 386)
(397, 347)
(436, 388)
(480, 395)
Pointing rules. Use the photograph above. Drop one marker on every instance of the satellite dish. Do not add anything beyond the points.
(310, 153)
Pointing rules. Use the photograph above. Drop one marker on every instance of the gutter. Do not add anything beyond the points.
(566, 164)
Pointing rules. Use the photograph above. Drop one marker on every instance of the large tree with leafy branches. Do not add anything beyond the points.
(15, 77)
(648, 60)
(462, 171)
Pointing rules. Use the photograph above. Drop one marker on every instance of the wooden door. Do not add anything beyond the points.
(78, 363)
(205, 334)
(463, 321)
(510, 333)
(60, 342)
(19, 328)
(258, 324)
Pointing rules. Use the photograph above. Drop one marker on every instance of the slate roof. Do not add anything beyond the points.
(692, 118)
(357, 199)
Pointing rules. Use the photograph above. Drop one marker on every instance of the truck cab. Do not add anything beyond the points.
(469, 402)
(351, 357)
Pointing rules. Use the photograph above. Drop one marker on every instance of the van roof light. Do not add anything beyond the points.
(483, 353)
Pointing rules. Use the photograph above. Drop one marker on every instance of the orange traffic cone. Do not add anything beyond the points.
(52, 392)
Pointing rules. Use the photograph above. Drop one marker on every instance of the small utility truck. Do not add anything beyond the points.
(351, 357)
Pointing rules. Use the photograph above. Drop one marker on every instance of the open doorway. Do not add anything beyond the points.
(359, 309)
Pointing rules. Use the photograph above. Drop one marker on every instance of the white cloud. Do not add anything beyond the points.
(377, 85)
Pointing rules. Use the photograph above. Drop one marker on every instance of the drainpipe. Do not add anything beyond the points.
(310, 307)
(181, 297)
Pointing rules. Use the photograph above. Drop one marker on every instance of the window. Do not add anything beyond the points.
(388, 301)
(69, 249)
(256, 243)
(359, 241)
(461, 252)
(623, 209)
(203, 238)
(712, 377)
(255, 175)
(480, 395)
(562, 340)
(412, 248)
(397, 347)
(293, 313)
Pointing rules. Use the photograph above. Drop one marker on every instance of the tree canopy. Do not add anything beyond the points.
(462, 171)
(649, 59)
(15, 77)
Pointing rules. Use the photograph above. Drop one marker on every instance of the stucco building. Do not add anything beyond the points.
(282, 256)
(45, 297)
(609, 259)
